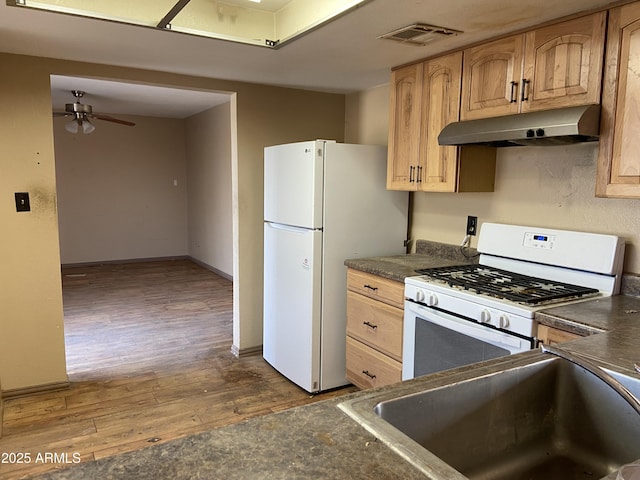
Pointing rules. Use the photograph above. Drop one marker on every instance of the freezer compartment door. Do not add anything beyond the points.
(292, 299)
(293, 184)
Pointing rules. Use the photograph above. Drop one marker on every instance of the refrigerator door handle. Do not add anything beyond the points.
(289, 228)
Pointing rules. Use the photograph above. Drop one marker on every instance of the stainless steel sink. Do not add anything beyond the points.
(536, 417)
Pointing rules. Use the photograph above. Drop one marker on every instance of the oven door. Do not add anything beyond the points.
(434, 340)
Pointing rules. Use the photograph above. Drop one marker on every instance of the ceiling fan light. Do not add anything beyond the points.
(87, 126)
(72, 126)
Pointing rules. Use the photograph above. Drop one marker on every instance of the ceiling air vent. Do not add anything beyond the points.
(420, 34)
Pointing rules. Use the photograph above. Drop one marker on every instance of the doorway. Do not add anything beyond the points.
(159, 190)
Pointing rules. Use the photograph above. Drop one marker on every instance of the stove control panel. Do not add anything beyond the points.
(539, 240)
(549, 251)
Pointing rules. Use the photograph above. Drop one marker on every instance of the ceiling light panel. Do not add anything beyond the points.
(140, 12)
(269, 23)
(228, 21)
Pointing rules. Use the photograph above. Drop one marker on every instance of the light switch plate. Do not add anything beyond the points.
(22, 202)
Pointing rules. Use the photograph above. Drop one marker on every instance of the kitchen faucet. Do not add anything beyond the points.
(597, 371)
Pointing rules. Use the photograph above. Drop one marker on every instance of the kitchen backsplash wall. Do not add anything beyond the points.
(540, 186)
(631, 284)
(446, 250)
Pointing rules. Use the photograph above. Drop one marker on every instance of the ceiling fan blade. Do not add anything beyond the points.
(109, 118)
(60, 114)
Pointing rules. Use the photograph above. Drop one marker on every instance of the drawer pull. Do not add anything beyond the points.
(370, 375)
(370, 325)
(373, 289)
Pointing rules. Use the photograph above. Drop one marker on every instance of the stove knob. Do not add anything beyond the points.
(485, 316)
(504, 321)
(419, 296)
(432, 301)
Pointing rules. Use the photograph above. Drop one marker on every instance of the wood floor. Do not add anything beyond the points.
(149, 360)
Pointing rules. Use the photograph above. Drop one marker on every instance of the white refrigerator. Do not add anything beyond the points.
(324, 202)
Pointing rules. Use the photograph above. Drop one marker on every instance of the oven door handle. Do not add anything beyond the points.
(466, 327)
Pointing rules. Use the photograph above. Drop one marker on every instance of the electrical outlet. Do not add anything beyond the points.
(472, 225)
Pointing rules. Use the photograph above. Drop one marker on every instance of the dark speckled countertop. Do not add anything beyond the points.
(592, 316)
(397, 267)
(428, 255)
(319, 441)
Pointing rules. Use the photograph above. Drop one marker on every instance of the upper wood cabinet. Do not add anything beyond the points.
(555, 66)
(618, 158)
(564, 63)
(404, 129)
(425, 99)
(491, 77)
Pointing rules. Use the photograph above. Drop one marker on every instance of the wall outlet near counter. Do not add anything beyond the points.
(472, 225)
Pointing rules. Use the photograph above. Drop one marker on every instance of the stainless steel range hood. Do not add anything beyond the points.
(550, 127)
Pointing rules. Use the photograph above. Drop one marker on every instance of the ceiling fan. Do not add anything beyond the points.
(82, 113)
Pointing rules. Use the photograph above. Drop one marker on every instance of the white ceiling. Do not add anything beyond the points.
(343, 56)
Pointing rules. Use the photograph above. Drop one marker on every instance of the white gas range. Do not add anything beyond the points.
(455, 316)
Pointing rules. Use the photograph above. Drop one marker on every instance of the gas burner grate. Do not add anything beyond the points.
(505, 285)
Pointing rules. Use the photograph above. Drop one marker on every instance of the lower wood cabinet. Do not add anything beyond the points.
(550, 335)
(368, 368)
(374, 329)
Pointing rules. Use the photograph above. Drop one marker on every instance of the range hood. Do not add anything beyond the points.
(560, 126)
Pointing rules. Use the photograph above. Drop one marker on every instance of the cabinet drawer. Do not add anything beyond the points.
(368, 368)
(378, 288)
(375, 323)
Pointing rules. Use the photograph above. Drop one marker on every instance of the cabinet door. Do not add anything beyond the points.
(490, 78)
(563, 64)
(404, 128)
(437, 170)
(618, 159)
(552, 336)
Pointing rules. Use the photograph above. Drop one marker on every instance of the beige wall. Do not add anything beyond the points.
(542, 186)
(367, 117)
(210, 193)
(31, 326)
(31, 320)
(122, 191)
(268, 116)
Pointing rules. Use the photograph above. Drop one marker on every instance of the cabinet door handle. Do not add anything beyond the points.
(419, 174)
(525, 90)
(373, 289)
(411, 169)
(370, 375)
(513, 98)
(370, 325)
